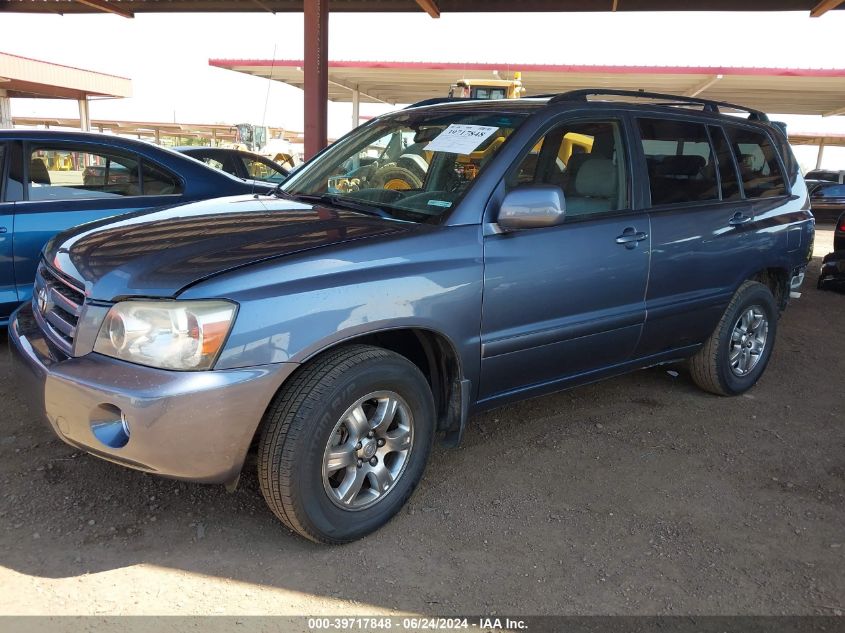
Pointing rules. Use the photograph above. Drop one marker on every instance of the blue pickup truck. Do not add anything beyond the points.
(438, 261)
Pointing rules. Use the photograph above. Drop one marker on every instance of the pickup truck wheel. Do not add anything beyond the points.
(736, 354)
(345, 443)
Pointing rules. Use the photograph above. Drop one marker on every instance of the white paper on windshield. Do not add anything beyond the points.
(460, 139)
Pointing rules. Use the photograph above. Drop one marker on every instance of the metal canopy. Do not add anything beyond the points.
(432, 7)
(31, 78)
(820, 138)
(316, 14)
(156, 129)
(779, 90)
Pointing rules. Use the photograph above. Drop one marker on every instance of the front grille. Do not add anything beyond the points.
(57, 304)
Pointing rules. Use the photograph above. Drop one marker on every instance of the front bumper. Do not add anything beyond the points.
(188, 425)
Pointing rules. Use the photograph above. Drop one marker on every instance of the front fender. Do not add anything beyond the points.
(295, 307)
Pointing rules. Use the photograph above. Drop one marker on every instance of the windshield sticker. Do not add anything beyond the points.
(460, 139)
(439, 203)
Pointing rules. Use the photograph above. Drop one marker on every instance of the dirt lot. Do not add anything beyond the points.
(638, 495)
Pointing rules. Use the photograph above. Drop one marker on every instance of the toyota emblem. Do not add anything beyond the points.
(43, 300)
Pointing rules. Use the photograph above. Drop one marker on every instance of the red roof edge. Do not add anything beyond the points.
(567, 68)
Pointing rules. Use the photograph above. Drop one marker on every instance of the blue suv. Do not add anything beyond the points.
(437, 261)
(51, 180)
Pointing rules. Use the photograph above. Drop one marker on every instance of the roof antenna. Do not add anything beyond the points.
(266, 103)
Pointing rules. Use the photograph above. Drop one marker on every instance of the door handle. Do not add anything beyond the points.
(738, 219)
(3, 229)
(630, 236)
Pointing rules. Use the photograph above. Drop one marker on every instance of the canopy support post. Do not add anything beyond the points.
(316, 75)
(820, 154)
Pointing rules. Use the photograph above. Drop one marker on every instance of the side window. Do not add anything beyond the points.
(586, 159)
(158, 182)
(680, 161)
(261, 171)
(727, 169)
(67, 173)
(212, 162)
(758, 164)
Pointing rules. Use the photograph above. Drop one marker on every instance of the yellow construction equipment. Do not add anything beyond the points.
(488, 88)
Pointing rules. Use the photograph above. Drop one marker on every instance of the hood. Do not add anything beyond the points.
(157, 254)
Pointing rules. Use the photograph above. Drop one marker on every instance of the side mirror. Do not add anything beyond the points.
(532, 207)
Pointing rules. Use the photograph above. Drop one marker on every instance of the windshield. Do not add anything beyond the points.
(409, 166)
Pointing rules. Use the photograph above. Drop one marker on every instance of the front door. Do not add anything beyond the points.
(563, 303)
(10, 191)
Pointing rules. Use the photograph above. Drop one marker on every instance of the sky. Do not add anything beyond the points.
(166, 56)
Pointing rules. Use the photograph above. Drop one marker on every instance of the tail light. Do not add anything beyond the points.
(841, 226)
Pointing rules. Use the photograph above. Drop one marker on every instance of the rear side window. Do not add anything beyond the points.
(158, 182)
(759, 168)
(259, 170)
(789, 160)
(681, 166)
(727, 169)
(66, 173)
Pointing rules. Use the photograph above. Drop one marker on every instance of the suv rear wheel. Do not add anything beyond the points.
(345, 443)
(736, 354)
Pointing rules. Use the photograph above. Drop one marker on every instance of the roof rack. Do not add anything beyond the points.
(707, 104)
(435, 100)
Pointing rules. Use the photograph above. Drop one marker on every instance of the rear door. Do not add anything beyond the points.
(563, 302)
(70, 184)
(701, 230)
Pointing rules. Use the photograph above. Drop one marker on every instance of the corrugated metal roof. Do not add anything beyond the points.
(129, 7)
(777, 90)
(26, 77)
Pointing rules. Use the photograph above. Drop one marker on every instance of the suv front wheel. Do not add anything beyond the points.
(736, 354)
(345, 443)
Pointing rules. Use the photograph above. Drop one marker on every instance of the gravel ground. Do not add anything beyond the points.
(639, 495)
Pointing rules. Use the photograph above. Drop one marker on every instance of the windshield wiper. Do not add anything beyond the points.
(340, 201)
(279, 192)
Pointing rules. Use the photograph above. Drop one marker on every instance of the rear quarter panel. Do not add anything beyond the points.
(784, 231)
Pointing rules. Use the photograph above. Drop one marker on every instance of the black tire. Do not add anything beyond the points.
(390, 175)
(710, 368)
(302, 419)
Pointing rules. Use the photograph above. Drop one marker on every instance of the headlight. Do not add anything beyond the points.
(166, 334)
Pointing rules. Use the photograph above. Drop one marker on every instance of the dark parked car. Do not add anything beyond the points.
(50, 181)
(832, 276)
(246, 165)
(828, 175)
(344, 325)
(827, 199)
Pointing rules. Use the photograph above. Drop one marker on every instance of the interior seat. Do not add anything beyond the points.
(596, 188)
(38, 173)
